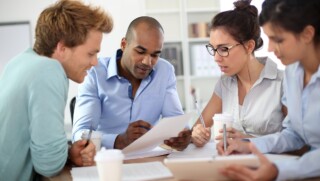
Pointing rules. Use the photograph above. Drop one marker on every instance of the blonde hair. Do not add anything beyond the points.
(68, 21)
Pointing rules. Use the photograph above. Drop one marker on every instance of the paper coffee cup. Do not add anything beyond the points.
(95, 138)
(109, 164)
(219, 120)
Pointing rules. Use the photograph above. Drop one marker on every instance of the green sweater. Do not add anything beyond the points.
(33, 95)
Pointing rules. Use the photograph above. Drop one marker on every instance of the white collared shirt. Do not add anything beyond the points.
(261, 111)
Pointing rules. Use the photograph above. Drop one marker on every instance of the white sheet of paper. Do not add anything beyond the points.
(164, 129)
(130, 172)
(207, 151)
(157, 151)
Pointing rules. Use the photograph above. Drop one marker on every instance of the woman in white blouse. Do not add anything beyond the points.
(251, 88)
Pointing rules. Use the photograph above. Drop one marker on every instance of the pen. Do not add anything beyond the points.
(200, 115)
(244, 129)
(89, 136)
(224, 137)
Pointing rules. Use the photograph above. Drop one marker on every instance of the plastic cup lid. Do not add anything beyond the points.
(109, 155)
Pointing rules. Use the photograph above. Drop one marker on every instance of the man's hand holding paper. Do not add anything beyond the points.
(168, 131)
(181, 142)
(134, 131)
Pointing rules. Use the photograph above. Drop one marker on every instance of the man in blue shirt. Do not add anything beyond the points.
(123, 96)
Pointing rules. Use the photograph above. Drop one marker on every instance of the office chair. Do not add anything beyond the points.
(72, 105)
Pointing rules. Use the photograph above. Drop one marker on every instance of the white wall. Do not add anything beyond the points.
(10, 34)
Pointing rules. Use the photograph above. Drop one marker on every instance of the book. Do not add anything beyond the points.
(173, 54)
(198, 30)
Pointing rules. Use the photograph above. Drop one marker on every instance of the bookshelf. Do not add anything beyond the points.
(185, 23)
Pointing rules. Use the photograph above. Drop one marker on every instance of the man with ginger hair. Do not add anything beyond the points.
(34, 88)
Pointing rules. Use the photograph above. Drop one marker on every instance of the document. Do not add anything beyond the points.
(157, 151)
(164, 129)
(130, 172)
(207, 151)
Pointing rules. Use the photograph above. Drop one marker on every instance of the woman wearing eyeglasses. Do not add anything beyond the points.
(250, 89)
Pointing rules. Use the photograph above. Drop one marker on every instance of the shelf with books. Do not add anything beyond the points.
(173, 53)
(185, 23)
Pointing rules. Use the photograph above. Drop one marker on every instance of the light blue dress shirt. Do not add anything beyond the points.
(104, 99)
(302, 126)
(33, 97)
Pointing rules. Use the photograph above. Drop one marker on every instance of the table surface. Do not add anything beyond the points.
(65, 174)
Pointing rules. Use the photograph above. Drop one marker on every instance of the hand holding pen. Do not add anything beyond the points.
(200, 134)
(89, 136)
(200, 115)
(233, 146)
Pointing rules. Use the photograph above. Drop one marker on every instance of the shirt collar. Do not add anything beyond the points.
(270, 70)
(318, 72)
(299, 72)
(112, 69)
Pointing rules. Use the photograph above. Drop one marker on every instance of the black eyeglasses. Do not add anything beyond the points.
(223, 51)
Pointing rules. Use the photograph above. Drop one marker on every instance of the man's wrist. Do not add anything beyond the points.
(69, 160)
(119, 142)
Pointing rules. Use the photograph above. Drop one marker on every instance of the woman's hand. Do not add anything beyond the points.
(266, 170)
(232, 133)
(200, 135)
